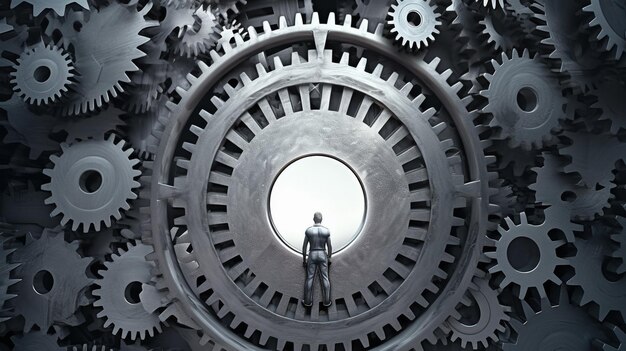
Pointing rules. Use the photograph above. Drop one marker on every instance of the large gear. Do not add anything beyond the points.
(607, 293)
(119, 291)
(526, 256)
(275, 298)
(525, 100)
(555, 326)
(43, 74)
(57, 6)
(413, 23)
(608, 16)
(91, 181)
(99, 82)
(53, 281)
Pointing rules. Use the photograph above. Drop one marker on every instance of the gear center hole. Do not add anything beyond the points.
(523, 254)
(317, 184)
(527, 99)
(43, 282)
(414, 18)
(131, 293)
(90, 181)
(42, 74)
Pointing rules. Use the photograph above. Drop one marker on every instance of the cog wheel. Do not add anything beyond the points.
(607, 293)
(494, 4)
(607, 346)
(254, 13)
(53, 281)
(57, 6)
(119, 294)
(491, 320)
(413, 23)
(525, 100)
(198, 41)
(36, 340)
(215, 309)
(43, 74)
(499, 32)
(608, 18)
(526, 256)
(560, 326)
(99, 82)
(91, 181)
(558, 27)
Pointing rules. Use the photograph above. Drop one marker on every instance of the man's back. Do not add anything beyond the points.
(317, 236)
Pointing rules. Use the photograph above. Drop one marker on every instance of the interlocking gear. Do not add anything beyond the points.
(526, 256)
(53, 281)
(119, 294)
(43, 74)
(201, 37)
(92, 181)
(413, 23)
(525, 100)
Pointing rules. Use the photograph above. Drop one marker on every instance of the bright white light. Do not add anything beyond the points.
(317, 183)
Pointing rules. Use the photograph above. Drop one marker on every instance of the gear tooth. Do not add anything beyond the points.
(282, 22)
(315, 18)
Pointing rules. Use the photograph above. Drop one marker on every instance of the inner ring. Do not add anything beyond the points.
(317, 183)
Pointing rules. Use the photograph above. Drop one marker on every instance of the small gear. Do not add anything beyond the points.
(607, 294)
(57, 6)
(413, 23)
(607, 346)
(201, 37)
(91, 181)
(560, 327)
(103, 62)
(491, 320)
(119, 293)
(494, 4)
(52, 282)
(43, 74)
(526, 256)
(525, 100)
(608, 16)
(499, 32)
(37, 340)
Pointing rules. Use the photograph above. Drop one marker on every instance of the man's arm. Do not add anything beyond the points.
(330, 247)
(304, 247)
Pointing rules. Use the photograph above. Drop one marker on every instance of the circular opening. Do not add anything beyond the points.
(568, 196)
(43, 282)
(42, 74)
(77, 26)
(414, 18)
(317, 184)
(527, 99)
(90, 181)
(523, 254)
(131, 293)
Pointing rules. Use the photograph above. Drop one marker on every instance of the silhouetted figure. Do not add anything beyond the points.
(318, 237)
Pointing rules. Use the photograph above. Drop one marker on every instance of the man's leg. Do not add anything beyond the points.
(325, 281)
(308, 283)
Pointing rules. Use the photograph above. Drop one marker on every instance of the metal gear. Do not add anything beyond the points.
(53, 281)
(201, 37)
(608, 17)
(526, 256)
(99, 82)
(413, 23)
(596, 286)
(184, 250)
(91, 181)
(555, 326)
(57, 6)
(525, 100)
(491, 321)
(43, 74)
(119, 294)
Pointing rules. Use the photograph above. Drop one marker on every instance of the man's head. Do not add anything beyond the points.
(317, 217)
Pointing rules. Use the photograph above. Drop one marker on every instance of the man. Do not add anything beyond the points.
(318, 237)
